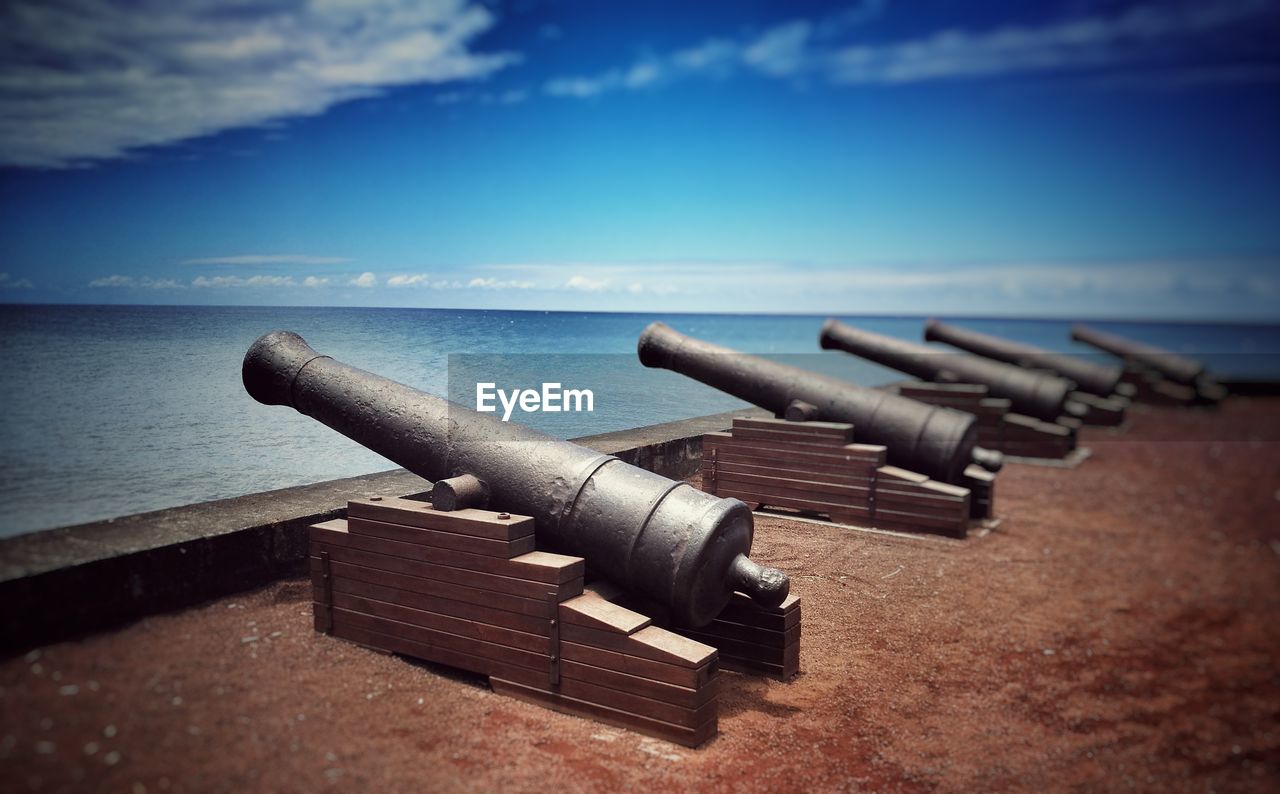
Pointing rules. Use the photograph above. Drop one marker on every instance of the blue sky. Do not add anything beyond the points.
(1001, 158)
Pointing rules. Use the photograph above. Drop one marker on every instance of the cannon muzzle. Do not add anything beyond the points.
(659, 538)
(938, 442)
(1036, 394)
(1089, 377)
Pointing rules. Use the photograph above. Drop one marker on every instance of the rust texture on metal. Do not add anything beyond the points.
(937, 441)
(1036, 394)
(1090, 377)
(663, 539)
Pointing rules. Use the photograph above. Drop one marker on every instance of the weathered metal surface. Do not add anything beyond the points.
(1167, 363)
(1036, 394)
(1090, 377)
(925, 438)
(662, 539)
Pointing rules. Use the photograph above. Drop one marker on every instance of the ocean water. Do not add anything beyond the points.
(115, 410)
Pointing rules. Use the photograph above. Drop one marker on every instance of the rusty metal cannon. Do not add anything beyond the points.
(1149, 360)
(1167, 363)
(1032, 393)
(661, 539)
(931, 440)
(1092, 378)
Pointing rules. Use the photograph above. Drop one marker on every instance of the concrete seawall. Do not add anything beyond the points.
(60, 583)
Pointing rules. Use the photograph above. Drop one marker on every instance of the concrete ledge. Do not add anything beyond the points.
(63, 582)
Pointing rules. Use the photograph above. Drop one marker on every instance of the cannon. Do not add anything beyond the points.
(931, 440)
(1164, 362)
(1095, 379)
(658, 538)
(1032, 393)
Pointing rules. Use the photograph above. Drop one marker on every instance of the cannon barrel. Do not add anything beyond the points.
(659, 538)
(1032, 393)
(1167, 363)
(935, 441)
(1092, 378)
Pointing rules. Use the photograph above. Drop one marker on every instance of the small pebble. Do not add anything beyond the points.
(112, 758)
(69, 689)
(45, 748)
(1048, 652)
(91, 748)
(249, 639)
(109, 731)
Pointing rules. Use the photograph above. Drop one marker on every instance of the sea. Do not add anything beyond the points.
(112, 410)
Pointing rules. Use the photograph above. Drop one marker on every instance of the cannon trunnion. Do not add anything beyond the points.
(661, 539)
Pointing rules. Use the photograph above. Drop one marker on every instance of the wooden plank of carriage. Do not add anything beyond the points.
(754, 639)
(388, 587)
(842, 431)
(982, 491)
(669, 688)
(1029, 437)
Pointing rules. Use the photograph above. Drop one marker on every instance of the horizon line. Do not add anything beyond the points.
(1208, 320)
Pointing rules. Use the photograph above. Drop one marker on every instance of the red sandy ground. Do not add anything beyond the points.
(1119, 632)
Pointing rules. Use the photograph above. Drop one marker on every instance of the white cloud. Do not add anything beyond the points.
(365, 280)
(1147, 36)
(713, 55)
(85, 80)
(642, 74)
(494, 283)
(584, 87)
(8, 282)
(424, 280)
(112, 281)
(782, 51)
(755, 286)
(413, 280)
(315, 281)
(584, 284)
(267, 259)
(1142, 34)
(146, 282)
(237, 281)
